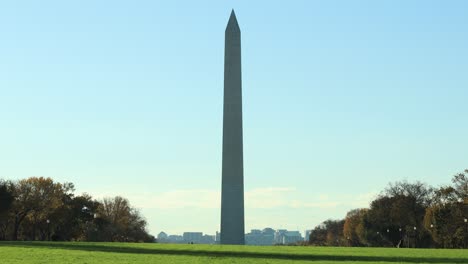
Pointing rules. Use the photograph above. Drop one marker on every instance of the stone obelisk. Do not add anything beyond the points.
(232, 193)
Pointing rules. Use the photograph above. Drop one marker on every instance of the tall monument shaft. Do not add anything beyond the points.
(232, 193)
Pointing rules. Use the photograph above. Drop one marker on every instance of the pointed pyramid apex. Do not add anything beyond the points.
(232, 23)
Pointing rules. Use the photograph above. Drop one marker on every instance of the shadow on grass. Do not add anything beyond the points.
(225, 253)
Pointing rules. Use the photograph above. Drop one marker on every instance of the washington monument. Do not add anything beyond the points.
(232, 193)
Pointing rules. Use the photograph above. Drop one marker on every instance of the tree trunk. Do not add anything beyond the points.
(34, 228)
(19, 217)
(15, 230)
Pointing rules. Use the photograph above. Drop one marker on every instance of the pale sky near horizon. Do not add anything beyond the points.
(340, 98)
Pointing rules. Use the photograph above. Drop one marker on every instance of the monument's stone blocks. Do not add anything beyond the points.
(232, 193)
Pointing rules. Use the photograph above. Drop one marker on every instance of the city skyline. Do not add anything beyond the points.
(340, 99)
(264, 236)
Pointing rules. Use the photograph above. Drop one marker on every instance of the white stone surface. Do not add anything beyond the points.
(232, 193)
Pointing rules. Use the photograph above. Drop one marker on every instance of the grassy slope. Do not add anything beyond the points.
(102, 253)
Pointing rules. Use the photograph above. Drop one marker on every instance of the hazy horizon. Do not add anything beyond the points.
(339, 99)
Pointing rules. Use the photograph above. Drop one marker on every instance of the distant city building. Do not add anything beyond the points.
(268, 230)
(175, 239)
(283, 236)
(260, 237)
(208, 239)
(279, 236)
(162, 237)
(193, 237)
(307, 235)
(256, 231)
(292, 237)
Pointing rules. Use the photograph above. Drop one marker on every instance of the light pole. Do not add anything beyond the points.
(466, 230)
(380, 238)
(415, 240)
(432, 234)
(401, 237)
(407, 236)
(48, 229)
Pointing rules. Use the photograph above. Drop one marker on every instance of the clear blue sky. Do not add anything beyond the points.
(340, 98)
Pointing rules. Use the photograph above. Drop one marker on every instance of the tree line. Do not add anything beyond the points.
(38, 208)
(404, 215)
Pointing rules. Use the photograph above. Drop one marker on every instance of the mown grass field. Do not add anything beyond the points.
(103, 253)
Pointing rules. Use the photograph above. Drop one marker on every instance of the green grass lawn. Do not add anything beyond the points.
(103, 253)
